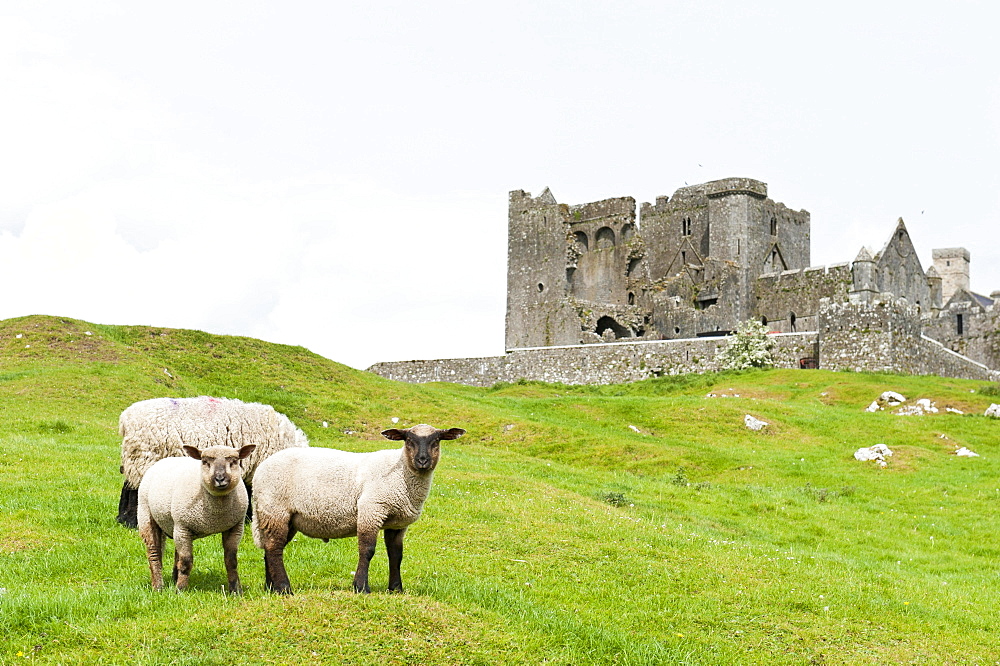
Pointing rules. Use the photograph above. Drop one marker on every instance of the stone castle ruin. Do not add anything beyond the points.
(597, 294)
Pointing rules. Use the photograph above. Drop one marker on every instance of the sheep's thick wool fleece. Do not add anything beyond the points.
(173, 494)
(158, 428)
(326, 493)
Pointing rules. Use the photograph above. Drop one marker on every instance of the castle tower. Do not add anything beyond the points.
(737, 235)
(952, 264)
(538, 312)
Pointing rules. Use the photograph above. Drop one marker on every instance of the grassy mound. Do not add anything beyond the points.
(631, 524)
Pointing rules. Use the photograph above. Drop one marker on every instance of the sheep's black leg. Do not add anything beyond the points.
(152, 535)
(230, 544)
(249, 517)
(183, 557)
(274, 540)
(128, 505)
(366, 551)
(394, 549)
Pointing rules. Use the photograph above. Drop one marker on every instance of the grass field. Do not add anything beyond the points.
(627, 524)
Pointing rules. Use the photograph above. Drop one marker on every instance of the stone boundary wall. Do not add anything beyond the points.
(608, 363)
(884, 336)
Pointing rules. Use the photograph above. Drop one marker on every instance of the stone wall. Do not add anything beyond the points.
(874, 335)
(884, 335)
(968, 330)
(798, 293)
(591, 364)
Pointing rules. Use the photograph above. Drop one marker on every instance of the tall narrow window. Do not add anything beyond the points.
(959, 324)
(686, 226)
(774, 226)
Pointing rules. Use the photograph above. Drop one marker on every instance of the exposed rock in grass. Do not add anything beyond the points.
(919, 408)
(891, 398)
(877, 453)
(754, 423)
(993, 411)
(966, 453)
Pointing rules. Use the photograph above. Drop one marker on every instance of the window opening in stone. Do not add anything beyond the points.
(580, 239)
(791, 319)
(959, 323)
(686, 226)
(737, 247)
(607, 327)
(763, 321)
(541, 287)
(605, 237)
(631, 298)
(677, 330)
(684, 257)
(705, 303)
(774, 226)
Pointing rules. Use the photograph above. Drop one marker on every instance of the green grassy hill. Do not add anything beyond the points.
(629, 524)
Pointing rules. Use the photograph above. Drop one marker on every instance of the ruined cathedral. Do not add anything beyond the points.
(705, 259)
(599, 294)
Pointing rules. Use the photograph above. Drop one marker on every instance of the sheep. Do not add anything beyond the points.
(158, 428)
(330, 494)
(186, 501)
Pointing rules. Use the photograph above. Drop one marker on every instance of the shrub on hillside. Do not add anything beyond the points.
(749, 347)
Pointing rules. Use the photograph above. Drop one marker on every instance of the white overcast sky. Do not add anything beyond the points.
(335, 175)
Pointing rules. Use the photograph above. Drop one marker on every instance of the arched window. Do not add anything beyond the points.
(609, 324)
(686, 226)
(791, 319)
(581, 242)
(605, 238)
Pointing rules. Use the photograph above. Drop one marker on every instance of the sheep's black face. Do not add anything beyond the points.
(422, 444)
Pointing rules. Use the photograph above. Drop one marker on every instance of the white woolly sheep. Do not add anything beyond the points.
(158, 428)
(185, 500)
(330, 494)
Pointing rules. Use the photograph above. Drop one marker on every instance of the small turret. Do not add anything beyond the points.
(863, 288)
(934, 284)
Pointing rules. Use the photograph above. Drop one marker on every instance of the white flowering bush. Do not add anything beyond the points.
(749, 347)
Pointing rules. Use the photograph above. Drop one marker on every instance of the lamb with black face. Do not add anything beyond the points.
(330, 494)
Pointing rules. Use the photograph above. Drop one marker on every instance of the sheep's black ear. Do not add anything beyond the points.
(394, 433)
(247, 450)
(454, 433)
(192, 452)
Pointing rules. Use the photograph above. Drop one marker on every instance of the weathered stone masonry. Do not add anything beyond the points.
(595, 295)
(863, 337)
